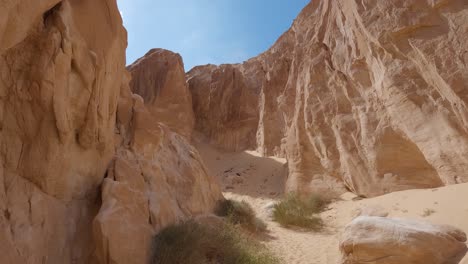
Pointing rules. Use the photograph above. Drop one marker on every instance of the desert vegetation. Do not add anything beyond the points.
(242, 214)
(192, 242)
(294, 211)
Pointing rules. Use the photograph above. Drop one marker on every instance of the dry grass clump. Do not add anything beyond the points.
(293, 211)
(240, 213)
(191, 242)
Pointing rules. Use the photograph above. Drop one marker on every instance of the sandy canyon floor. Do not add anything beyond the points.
(246, 176)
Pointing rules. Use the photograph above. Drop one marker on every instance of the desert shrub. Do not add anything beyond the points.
(293, 211)
(191, 242)
(240, 213)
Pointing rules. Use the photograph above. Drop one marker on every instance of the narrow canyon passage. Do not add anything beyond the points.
(101, 160)
(246, 176)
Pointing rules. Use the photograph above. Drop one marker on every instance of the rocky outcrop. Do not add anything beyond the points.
(159, 78)
(367, 95)
(225, 105)
(61, 64)
(75, 186)
(18, 18)
(382, 240)
(156, 179)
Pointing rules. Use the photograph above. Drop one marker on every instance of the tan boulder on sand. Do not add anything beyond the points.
(381, 240)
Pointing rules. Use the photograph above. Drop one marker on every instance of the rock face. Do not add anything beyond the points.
(225, 104)
(369, 96)
(159, 78)
(18, 17)
(75, 186)
(61, 64)
(157, 177)
(393, 241)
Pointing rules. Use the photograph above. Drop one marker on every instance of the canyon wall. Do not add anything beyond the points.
(363, 95)
(61, 64)
(159, 78)
(369, 96)
(157, 178)
(75, 185)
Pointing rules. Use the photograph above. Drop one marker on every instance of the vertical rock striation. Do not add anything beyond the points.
(225, 105)
(61, 64)
(365, 95)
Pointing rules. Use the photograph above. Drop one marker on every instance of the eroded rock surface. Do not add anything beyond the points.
(369, 96)
(61, 64)
(159, 78)
(225, 104)
(157, 179)
(382, 240)
(75, 186)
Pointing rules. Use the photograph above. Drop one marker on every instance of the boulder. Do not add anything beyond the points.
(380, 240)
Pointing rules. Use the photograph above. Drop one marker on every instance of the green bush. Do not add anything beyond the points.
(293, 211)
(240, 213)
(194, 243)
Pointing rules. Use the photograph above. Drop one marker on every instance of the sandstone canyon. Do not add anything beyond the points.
(368, 96)
(360, 98)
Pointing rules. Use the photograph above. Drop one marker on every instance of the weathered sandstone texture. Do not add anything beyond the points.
(365, 95)
(382, 240)
(159, 78)
(75, 185)
(225, 105)
(61, 65)
(156, 179)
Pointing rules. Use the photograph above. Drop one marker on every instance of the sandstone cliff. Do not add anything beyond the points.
(157, 178)
(61, 64)
(159, 78)
(365, 95)
(75, 186)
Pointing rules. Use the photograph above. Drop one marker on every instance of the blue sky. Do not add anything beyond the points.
(206, 31)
